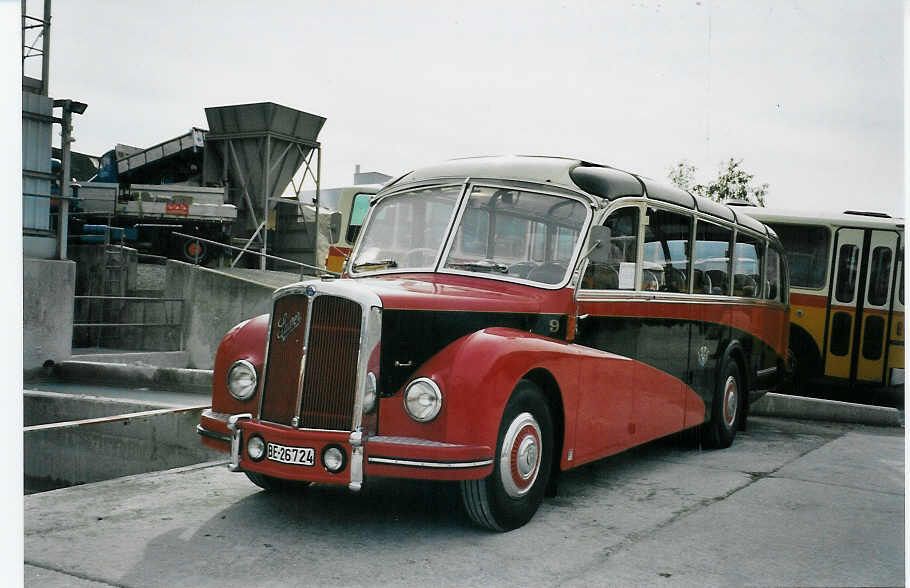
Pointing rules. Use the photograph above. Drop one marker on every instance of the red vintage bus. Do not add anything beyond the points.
(503, 319)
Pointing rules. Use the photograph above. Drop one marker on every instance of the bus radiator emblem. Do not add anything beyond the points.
(286, 326)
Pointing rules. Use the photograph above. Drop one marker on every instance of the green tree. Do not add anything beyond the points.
(732, 183)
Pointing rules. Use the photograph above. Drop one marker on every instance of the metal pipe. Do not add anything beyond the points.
(65, 188)
(301, 264)
(318, 173)
(46, 48)
(265, 201)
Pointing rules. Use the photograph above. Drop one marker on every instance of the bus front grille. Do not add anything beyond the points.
(329, 370)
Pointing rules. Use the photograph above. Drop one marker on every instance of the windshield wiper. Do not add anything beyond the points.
(378, 263)
(482, 265)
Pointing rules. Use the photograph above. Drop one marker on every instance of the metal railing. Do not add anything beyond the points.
(246, 251)
(108, 314)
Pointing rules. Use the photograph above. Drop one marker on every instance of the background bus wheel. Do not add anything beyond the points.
(509, 497)
(275, 484)
(727, 409)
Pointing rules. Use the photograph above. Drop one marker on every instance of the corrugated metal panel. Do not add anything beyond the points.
(36, 156)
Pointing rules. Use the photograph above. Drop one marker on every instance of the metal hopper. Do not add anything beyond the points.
(256, 149)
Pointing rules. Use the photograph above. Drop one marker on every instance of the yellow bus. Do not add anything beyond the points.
(846, 294)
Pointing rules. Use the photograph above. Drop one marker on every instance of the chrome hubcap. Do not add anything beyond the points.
(731, 398)
(519, 459)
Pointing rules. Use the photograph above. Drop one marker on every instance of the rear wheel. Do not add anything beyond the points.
(726, 412)
(275, 484)
(509, 497)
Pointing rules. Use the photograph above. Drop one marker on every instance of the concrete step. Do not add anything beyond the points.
(168, 378)
(171, 359)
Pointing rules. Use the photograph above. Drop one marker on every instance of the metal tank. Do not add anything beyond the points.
(255, 150)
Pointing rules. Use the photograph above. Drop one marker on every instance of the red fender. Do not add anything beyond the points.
(477, 373)
(244, 341)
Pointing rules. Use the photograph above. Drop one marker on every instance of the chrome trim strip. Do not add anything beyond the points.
(430, 464)
(295, 420)
(766, 372)
(236, 439)
(212, 434)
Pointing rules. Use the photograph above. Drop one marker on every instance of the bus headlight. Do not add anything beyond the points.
(422, 400)
(369, 393)
(241, 380)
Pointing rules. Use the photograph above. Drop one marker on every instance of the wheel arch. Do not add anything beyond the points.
(808, 355)
(548, 385)
(736, 352)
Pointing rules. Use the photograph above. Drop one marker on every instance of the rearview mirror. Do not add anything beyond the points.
(599, 244)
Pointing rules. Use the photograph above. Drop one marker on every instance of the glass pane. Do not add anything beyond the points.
(847, 264)
(407, 230)
(807, 252)
(619, 271)
(873, 336)
(359, 210)
(520, 234)
(840, 333)
(772, 283)
(747, 260)
(879, 276)
(666, 252)
(712, 259)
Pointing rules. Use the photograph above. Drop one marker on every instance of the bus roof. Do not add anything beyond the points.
(598, 180)
(837, 219)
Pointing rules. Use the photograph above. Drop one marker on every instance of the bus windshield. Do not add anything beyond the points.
(406, 231)
(518, 234)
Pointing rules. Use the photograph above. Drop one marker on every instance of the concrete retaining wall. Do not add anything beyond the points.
(91, 450)
(48, 288)
(215, 302)
(41, 408)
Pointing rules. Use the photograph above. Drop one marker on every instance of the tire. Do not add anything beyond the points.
(275, 484)
(196, 252)
(509, 497)
(727, 408)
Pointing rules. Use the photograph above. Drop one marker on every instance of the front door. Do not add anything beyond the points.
(860, 304)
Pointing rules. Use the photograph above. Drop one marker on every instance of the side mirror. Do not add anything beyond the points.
(599, 244)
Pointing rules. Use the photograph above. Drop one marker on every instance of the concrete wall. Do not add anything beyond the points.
(215, 302)
(68, 453)
(48, 288)
(91, 260)
(41, 408)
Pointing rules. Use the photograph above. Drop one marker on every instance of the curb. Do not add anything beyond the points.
(817, 409)
(187, 380)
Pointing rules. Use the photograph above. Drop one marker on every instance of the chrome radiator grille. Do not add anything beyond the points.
(329, 380)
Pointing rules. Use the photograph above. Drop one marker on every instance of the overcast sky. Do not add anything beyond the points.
(808, 93)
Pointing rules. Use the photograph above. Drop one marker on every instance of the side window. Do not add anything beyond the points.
(772, 278)
(880, 276)
(806, 247)
(619, 272)
(359, 209)
(665, 265)
(747, 259)
(712, 259)
(847, 265)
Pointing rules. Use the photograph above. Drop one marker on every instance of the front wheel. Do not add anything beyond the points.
(509, 497)
(727, 409)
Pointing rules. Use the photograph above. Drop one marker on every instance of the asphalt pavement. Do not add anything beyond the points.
(792, 503)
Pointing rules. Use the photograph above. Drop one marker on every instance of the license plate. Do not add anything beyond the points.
(304, 456)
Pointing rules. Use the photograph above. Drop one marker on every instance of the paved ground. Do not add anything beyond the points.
(791, 503)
